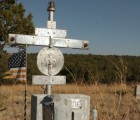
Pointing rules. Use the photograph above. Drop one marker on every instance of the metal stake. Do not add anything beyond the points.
(95, 114)
(49, 88)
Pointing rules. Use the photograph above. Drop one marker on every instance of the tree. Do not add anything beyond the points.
(13, 20)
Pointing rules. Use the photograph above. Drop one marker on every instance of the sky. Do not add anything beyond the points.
(112, 27)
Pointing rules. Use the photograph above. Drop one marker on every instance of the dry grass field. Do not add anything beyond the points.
(113, 102)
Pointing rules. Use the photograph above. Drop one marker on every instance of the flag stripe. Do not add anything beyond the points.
(9, 77)
(8, 72)
(15, 76)
(20, 68)
(19, 76)
(15, 71)
(21, 79)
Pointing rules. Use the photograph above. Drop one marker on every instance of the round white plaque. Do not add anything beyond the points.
(50, 61)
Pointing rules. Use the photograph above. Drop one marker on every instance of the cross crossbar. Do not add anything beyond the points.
(48, 41)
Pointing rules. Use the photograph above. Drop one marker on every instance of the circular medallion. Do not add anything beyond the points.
(50, 61)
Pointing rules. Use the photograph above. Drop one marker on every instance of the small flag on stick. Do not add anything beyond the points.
(17, 65)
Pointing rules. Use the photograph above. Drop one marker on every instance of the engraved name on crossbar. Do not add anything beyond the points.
(45, 80)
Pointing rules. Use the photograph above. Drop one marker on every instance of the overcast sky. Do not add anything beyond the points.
(111, 26)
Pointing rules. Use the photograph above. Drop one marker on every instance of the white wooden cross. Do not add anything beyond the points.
(49, 37)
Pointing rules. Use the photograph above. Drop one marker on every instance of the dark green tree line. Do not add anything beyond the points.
(88, 68)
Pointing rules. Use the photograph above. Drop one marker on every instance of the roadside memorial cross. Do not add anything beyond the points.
(50, 61)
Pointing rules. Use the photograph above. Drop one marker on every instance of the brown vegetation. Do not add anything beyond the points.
(112, 101)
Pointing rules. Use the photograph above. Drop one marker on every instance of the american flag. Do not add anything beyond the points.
(17, 65)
